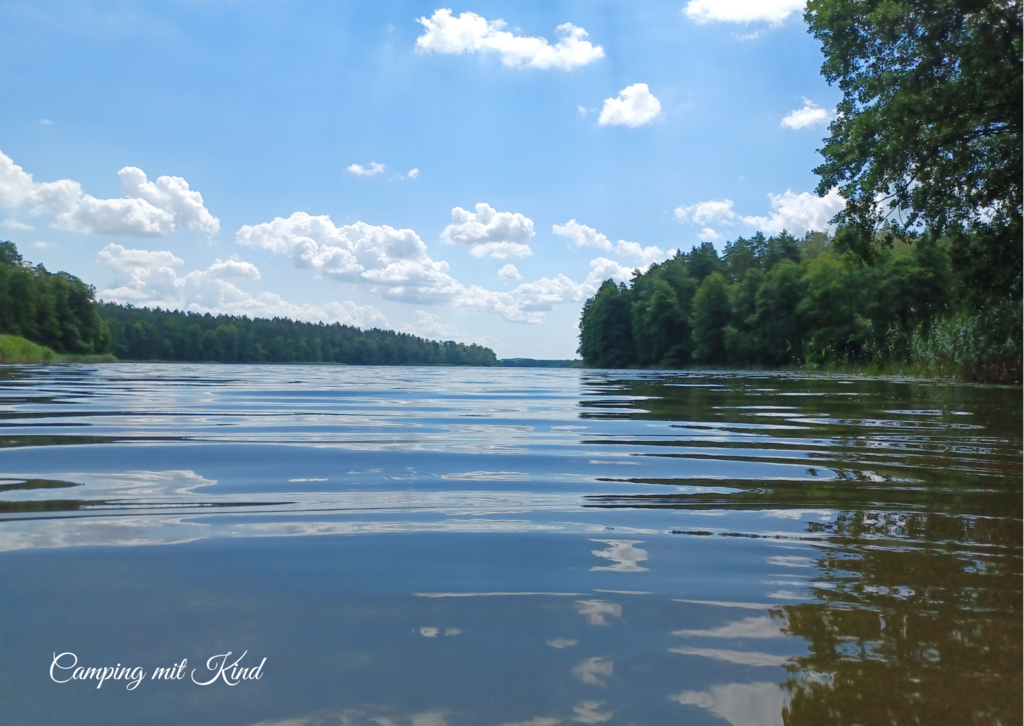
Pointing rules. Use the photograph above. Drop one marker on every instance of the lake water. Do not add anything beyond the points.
(441, 546)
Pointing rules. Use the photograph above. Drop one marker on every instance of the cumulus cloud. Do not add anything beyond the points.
(647, 256)
(148, 209)
(369, 170)
(634, 107)
(602, 269)
(742, 11)
(490, 233)
(15, 224)
(471, 33)
(796, 213)
(580, 235)
(428, 325)
(148, 278)
(171, 194)
(810, 115)
(526, 303)
(799, 213)
(718, 210)
(394, 258)
(509, 272)
(397, 261)
(413, 173)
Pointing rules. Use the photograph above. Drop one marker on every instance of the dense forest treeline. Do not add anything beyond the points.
(59, 311)
(146, 334)
(778, 301)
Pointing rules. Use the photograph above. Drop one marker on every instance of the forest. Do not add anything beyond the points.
(782, 301)
(59, 311)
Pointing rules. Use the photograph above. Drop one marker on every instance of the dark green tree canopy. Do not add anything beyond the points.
(929, 128)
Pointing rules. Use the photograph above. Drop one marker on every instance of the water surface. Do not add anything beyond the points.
(438, 546)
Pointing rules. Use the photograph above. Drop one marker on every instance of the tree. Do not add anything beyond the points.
(711, 313)
(606, 336)
(703, 261)
(831, 310)
(929, 128)
(778, 331)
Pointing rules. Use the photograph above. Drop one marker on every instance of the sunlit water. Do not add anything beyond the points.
(439, 546)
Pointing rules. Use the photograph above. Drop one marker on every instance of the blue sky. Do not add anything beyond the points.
(258, 157)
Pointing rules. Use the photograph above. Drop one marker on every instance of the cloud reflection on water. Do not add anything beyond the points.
(593, 671)
(741, 704)
(595, 610)
(622, 553)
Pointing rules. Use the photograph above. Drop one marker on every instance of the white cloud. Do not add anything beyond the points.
(810, 115)
(15, 224)
(634, 107)
(581, 235)
(646, 255)
(526, 303)
(719, 210)
(796, 213)
(799, 213)
(471, 33)
(509, 272)
(41, 245)
(742, 11)
(428, 325)
(413, 173)
(396, 258)
(490, 232)
(148, 278)
(15, 184)
(602, 269)
(500, 250)
(172, 194)
(45, 122)
(149, 209)
(369, 170)
(581, 111)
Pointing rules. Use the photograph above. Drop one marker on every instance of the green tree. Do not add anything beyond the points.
(606, 330)
(831, 310)
(739, 335)
(703, 261)
(778, 330)
(711, 313)
(929, 127)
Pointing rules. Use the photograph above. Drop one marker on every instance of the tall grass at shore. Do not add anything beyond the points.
(15, 349)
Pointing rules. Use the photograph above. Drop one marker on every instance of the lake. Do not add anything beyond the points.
(448, 546)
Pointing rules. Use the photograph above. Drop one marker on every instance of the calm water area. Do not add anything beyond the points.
(482, 547)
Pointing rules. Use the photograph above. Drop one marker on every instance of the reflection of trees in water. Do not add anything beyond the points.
(918, 621)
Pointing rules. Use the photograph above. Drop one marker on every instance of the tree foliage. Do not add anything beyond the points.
(147, 334)
(54, 310)
(781, 301)
(928, 133)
